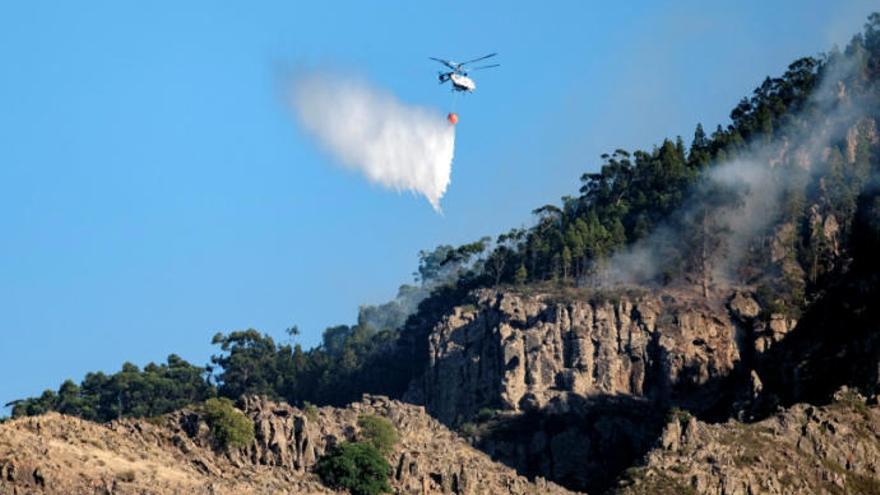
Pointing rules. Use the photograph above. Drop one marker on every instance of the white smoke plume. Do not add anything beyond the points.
(764, 175)
(402, 147)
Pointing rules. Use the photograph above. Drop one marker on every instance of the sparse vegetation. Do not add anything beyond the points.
(378, 432)
(468, 308)
(467, 430)
(862, 484)
(358, 467)
(127, 476)
(749, 445)
(311, 411)
(853, 481)
(229, 426)
(485, 414)
(852, 399)
(641, 481)
(678, 414)
(156, 420)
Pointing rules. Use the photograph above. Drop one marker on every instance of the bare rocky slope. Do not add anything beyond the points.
(832, 449)
(64, 455)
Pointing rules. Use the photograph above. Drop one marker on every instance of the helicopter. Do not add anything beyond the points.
(458, 75)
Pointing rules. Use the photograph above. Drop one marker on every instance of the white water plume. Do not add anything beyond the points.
(400, 146)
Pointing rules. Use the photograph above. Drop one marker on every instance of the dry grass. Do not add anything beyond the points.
(77, 454)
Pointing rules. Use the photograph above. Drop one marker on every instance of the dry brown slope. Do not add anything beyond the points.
(61, 454)
(66, 455)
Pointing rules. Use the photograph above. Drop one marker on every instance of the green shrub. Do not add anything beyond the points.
(485, 414)
(358, 467)
(468, 308)
(378, 432)
(468, 430)
(229, 426)
(678, 414)
(311, 411)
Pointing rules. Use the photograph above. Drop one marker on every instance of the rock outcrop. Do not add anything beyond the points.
(56, 454)
(429, 458)
(528, 353)
(174, 454)
(805, 449)
(581, 381)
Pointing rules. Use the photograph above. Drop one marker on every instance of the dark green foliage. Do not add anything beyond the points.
(352, 360)
(253, 365)
(485, 414)
(866, 231)
(467, 430)
(229, 426)
(771, 298)
(357, 467)
(155, 390)
(378, 432)
(678, 414)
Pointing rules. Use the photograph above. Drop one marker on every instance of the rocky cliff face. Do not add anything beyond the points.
(578, 388)
(529, 353)
(64, 455)
(583, 380)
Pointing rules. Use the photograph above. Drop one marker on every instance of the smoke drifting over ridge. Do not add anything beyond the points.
(400, 146)
(762, 178)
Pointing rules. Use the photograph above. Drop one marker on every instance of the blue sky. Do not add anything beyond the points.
(154, 188)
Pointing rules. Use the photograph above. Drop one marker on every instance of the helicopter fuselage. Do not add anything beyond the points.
(457, 75)
(460, 82)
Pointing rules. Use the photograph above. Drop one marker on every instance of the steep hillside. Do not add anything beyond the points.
(833, 449)
(175, 454)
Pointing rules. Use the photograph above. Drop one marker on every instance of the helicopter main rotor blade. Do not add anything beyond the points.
(447, 63)
(479, 58)
(485, 67)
